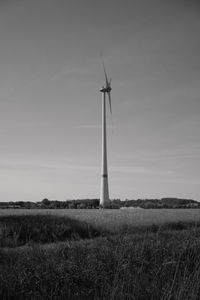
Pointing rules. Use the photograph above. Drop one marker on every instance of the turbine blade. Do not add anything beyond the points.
(106, 77)
(109, 97)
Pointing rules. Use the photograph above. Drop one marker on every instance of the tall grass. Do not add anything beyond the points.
(112, 220)
(20, 230)
(148, 266)
(155, 262)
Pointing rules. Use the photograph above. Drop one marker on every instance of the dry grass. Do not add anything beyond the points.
(164, 265)
(141, 255)
(114, 219)
(19, 230)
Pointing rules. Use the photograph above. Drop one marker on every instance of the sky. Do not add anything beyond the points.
(50, 104)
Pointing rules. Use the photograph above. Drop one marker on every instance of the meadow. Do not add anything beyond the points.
(100, 254)
(113, 220)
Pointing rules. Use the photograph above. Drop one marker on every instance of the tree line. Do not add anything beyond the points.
(94, 204)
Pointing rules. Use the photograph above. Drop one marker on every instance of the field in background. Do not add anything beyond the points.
(114, 219)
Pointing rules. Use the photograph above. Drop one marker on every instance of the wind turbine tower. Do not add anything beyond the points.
(104, 193)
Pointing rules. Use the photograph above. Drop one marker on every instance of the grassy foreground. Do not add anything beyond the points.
(49, 257)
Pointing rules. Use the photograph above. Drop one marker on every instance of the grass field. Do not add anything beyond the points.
(112, 220)
(100, 254)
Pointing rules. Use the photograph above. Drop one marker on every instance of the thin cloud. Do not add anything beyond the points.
(141, 170)
(68, 71)
(24, 166)
(93, 126)
(164, 157)
(45, 166)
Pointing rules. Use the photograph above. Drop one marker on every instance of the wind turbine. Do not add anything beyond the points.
(104, 192)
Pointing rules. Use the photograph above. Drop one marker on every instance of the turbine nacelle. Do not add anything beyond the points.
(106, 89)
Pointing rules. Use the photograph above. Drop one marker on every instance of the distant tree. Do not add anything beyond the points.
(82, 206)
(71, 205)
(46, 202)
(116, 203)
(20, 203)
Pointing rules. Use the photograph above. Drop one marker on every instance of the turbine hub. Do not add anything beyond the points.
(106, 89)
